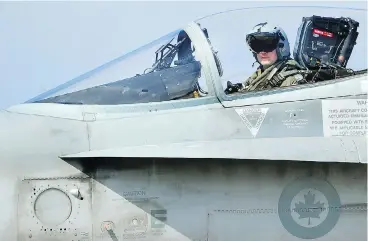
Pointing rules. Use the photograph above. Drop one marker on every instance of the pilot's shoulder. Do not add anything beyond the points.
(294, 64)
(293, 77)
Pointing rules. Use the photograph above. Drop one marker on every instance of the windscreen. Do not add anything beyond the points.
(228, 32)
(165, 69)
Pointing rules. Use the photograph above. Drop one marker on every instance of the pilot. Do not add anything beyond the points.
(270, 48)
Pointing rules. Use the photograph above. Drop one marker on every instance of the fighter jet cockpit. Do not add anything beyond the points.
(327, 44)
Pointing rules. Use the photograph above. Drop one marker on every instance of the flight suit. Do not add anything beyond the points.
(281, 74)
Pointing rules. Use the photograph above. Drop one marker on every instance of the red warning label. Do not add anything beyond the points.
(323, 33)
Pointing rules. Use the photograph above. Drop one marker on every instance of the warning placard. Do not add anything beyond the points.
(253, 118)
(346, 117)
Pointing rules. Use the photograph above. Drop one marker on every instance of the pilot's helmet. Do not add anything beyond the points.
(265, 37)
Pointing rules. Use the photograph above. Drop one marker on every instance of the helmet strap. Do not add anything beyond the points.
(255, 56)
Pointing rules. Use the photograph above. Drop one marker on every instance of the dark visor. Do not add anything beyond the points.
(262, 42)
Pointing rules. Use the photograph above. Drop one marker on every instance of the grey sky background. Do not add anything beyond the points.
(44, 44)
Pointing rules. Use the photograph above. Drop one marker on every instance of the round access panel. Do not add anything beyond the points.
(53, 207)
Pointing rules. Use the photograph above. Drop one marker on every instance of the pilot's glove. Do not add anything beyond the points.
(232, 88)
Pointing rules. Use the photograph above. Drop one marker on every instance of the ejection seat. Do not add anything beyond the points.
(323, 45)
